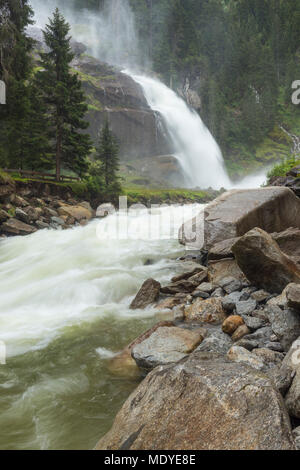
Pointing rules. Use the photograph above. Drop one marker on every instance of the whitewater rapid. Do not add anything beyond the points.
(54, 279)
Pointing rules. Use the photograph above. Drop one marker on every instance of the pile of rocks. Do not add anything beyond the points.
(23, 213)
(224, 373)
(291, 180)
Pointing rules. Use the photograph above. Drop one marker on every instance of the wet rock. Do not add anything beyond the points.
(122, 364)
(166, 345)
(228, 405)
(263, 263)
(239, 354)
(16, 227)
(206, 311)
(147, 295)
(231, 324)
(285, 325)
(240, 333)
(245, 307)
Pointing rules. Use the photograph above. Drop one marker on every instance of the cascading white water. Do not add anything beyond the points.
(65, 299)
(195, 148)
(52, 279)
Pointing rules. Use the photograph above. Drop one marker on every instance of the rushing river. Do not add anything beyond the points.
(64, 313)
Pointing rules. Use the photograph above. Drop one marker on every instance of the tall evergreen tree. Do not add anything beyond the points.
(107, 155)
(63, 95)
(15, 69)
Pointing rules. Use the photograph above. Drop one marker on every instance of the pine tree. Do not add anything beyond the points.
(107, 155)
(15, 70)
(63, 95)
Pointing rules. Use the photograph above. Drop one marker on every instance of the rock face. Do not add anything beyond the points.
(233, 214)
(147, 295)
(263, 263)
(203, 403)
(115, 95)
(166, 345)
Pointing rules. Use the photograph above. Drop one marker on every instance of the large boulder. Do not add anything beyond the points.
(122, 364)
(147, 295)
(205, 402)
(233, 214)
(289, 242)
(79, 212)
(285, 325)
(263, 263)
(166, 345)
(16, 227)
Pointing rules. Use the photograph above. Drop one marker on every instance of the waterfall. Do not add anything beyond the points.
(194, 147)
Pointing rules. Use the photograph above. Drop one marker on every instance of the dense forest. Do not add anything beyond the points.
(241, 57)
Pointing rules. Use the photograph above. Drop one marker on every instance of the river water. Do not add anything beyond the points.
(64, 313)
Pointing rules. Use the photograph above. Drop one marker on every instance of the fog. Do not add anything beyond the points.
(109, 34)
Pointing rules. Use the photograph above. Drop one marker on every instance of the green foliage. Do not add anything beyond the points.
(107, 162)
(61, 90)
(146, 196)
(282, 168)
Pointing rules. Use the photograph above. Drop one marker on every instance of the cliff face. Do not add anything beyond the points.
(111, 93)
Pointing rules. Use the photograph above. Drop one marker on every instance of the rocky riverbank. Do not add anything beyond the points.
(223, 369)
(28, 207)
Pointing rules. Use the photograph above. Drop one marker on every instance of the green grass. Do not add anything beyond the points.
(282, 168)
(137, 195)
